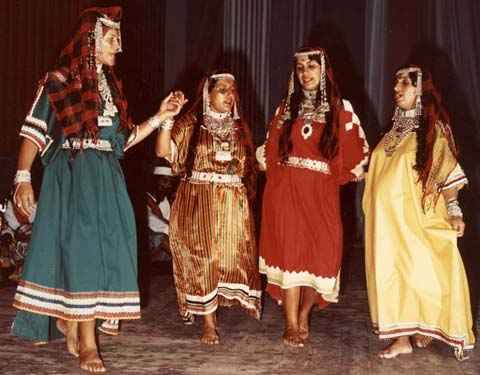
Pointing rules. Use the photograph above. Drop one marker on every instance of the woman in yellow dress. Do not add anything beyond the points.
(417, 287)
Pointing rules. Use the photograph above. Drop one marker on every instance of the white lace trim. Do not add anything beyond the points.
(328, 287)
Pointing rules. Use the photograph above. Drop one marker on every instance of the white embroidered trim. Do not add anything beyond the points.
(412, 328)
(314, 165)
(455, 178)
(77, 144)
(33, 136)
(216, 178)
(35, 121)
(328, 287)
(37, 98)
(56, 302)
(358, 170)
(229, 291)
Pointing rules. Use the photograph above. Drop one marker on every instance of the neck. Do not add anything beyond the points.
(310, 94)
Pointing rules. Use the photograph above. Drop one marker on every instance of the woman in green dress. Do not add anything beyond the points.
(81, 265)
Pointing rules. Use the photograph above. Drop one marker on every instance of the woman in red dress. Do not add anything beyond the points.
(314, 145)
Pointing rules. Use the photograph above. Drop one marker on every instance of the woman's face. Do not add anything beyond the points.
(308, 73)
(109, 47)
(222, 95)
(404, 91)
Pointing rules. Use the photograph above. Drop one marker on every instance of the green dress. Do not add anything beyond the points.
(82, 260)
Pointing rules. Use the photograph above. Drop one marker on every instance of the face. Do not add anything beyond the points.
(109, 47)
(222, 96)
(308, 73)
(404, 91)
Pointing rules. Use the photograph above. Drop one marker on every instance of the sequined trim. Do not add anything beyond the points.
(313, 165)
(216, 178)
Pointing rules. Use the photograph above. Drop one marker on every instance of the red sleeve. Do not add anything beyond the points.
(353, 146)
(271, 144)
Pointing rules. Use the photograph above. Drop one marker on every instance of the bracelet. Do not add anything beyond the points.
(167, 124)
(22, 175)
(453, 208)
(153, 122)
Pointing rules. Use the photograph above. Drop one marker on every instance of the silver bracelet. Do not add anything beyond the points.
(154, 122)
(454, 209)
(22, 175)
(167, 124)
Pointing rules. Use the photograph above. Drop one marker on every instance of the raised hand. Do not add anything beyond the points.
(172, 104)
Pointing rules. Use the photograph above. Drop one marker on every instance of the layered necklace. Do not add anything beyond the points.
(404, 122)
(221, 127)
(109, 107)
(310, 113)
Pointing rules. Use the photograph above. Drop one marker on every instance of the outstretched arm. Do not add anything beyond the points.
(169, 108)
(175, 103)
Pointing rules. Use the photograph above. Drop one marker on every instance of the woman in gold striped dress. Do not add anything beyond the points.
(211, 226)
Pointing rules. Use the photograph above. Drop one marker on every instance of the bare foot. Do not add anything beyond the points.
(210, 335)
(304, 326)
(400, 346)
(70, 330)
(291, 337)
(421, 341)
(90, 361)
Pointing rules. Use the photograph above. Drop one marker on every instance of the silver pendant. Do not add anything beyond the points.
(104, 121)
(223, 155)
(307, 130)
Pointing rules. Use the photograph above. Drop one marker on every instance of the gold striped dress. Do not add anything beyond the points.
(211, 226)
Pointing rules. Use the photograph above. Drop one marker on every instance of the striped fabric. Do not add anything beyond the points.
(455, 178)
(211, 232)
(35, 129)
(79, 306)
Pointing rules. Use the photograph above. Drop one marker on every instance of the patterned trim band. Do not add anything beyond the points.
(215, 178)
(79, 144)
(313, 165)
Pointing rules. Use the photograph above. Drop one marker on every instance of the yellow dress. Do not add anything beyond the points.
(415, 276)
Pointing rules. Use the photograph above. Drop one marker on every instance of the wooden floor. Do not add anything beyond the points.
(341, 342)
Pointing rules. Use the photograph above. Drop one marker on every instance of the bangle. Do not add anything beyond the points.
(453, 208)
(22, 175)
(167, 124)
(153, 122)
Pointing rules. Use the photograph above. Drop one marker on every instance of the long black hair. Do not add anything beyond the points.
(328, 144)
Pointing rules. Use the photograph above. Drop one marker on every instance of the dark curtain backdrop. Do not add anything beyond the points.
(171, 43)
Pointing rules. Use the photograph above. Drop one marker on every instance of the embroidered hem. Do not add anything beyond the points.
(204, 305)
(407, 329)
(79, 306)
(328, 287)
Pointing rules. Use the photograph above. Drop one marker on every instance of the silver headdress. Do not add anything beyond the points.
(207, 111)
(324, 105)
(418, 88)
(105, 21)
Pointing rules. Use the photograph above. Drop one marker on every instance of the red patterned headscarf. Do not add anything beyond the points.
(73, 88)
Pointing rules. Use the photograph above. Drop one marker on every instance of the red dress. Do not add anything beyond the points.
(301, 233)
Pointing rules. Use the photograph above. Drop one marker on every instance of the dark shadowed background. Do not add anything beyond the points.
(170, 43)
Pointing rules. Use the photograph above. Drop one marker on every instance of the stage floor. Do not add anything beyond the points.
(341, 343)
